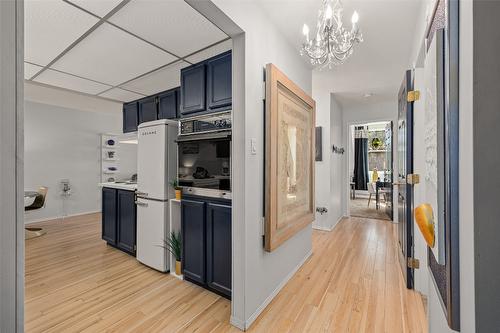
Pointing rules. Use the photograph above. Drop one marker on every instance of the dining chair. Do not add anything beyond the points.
(38, 203)
(371, 190)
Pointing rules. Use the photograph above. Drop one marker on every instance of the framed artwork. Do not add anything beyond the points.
(442, 43)
(289, 160)
(319, 143)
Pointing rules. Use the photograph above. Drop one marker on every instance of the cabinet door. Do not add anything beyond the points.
(126, 221)
(219, 248)
(130, 117)
(219, 78)
(148, 110)
(193, 89)
(193, 240)
(168, 105)
(109, 215)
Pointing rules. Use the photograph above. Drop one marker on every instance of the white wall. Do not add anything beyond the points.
(64, 143)
(337, 200)
(264, 273)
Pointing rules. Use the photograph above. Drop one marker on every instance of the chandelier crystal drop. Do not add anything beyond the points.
(333, 44)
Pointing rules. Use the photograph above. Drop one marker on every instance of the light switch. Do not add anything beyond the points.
(253, 146)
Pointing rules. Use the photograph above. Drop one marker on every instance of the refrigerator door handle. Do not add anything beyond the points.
(141, 194)
(143, 204)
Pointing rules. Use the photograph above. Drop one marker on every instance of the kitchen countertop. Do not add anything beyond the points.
(120, 186)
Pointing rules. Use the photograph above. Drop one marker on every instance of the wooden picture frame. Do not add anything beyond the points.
(289, 159)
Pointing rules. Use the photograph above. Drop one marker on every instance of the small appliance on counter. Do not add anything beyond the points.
(156, 166)
(204, 150)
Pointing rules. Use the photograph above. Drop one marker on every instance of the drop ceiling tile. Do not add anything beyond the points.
(210, 52)
(173, 25)
(97, 7)
(160, 80)
(121, 95)
(112, 56)
(50, 27)
(30, 70)
(62, 80)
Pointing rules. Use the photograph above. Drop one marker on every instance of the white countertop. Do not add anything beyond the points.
(120, 186)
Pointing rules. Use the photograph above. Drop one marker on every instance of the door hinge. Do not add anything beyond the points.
(413, 95)
(413, 178)
(413, 263)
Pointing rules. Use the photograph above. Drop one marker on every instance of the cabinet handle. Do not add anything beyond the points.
(143, 204)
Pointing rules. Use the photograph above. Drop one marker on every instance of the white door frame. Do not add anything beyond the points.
(11, 166)
(347, 180)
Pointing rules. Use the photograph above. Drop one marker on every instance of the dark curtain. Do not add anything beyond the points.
(361, 163)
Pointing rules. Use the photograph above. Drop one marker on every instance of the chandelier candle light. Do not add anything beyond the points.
(333, 44)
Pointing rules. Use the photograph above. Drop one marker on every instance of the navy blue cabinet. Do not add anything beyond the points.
(219, 82)
(193, 89)
(148, 110)
(219, 248)
(193, 240)
(109, 215)
(119, 219)
(206, 243)
(127, 221)
(130, 117)
(168, 104)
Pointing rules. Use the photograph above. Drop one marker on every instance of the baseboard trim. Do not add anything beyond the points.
(329, 229)
(238, 323)
(321, 228)
(268, 300)
(45, 219)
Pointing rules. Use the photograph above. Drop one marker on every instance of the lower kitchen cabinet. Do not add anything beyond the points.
(193, 240)
(207, 252)
(119, 219)
(219, 248)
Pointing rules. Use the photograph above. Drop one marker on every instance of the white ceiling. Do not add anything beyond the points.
(115, 49)
(378, 64)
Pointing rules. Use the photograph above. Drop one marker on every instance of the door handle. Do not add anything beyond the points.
(398, 183)
(141, 194)
(143, 204)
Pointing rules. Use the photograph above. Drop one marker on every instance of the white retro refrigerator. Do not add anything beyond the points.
(156, 167)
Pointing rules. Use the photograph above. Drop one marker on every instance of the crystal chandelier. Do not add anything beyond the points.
(333, 44)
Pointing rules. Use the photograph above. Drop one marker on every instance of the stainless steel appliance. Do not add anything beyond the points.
(204, 154)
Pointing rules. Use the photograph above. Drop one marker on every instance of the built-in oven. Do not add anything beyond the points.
(204, 152)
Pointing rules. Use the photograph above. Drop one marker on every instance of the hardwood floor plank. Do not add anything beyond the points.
(351, 283)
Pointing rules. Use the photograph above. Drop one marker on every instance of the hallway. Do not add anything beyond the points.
(352, 283)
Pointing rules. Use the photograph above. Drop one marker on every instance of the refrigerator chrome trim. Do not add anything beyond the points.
(207, 192)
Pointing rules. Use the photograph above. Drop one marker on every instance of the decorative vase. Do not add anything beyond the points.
(178, 194)
(178, 270)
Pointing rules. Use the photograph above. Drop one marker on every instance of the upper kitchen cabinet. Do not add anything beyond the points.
(219, 78)
(168, 104)
(130, 117)
(193, 89)
(148, 110)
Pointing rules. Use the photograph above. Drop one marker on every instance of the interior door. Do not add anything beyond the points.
(405, 167)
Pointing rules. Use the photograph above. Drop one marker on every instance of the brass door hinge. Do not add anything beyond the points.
(413, 263)
(413, 95)
(413, 178)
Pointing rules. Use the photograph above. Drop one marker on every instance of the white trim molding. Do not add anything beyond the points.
(11, 166)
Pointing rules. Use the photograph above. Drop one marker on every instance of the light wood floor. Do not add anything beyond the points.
(352, 283)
